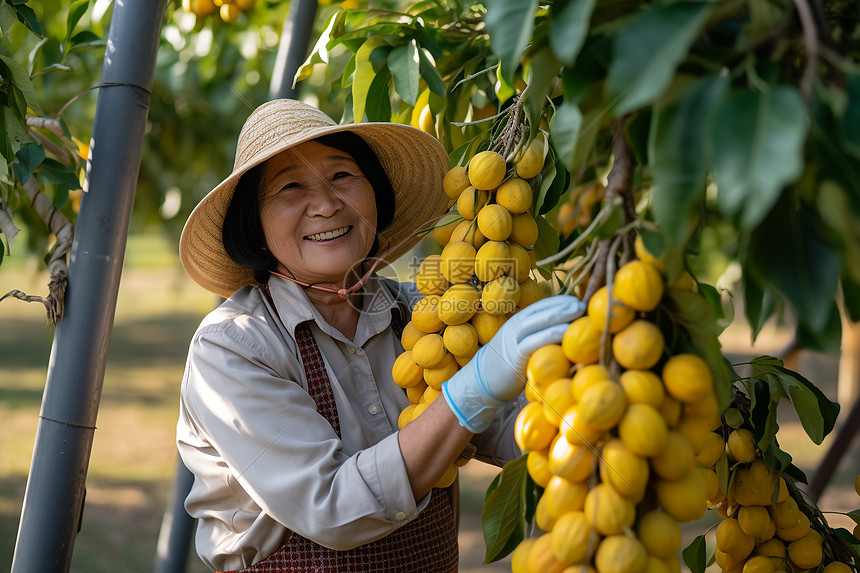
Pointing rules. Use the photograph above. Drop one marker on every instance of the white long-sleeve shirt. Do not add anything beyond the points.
(265, 461)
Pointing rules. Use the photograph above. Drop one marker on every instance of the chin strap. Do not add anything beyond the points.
(345, 292)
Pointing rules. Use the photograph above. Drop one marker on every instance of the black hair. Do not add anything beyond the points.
(242, 230)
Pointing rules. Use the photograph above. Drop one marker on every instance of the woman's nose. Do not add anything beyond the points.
(325, 201)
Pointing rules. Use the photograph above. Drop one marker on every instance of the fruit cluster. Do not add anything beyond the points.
(478, 281)
(228, 10)
(763, 530)
(621, 444)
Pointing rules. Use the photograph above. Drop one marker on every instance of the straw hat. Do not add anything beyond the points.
(414, 161)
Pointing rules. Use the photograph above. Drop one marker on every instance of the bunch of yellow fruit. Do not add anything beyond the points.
(622, 450)
(480, 279)
(763, 529)
(228, 10)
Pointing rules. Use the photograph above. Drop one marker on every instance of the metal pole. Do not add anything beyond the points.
(293, 48)
(56, 484)
(177, 526)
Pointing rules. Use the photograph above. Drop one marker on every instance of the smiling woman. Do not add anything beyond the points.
(288, 409)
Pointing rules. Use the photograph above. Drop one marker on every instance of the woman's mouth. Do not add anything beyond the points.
(329, 235)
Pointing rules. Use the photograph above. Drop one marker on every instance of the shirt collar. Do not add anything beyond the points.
(375, 298)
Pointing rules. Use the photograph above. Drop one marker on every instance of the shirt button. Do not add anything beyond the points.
(399, 516)
(351, 349)
(373, 409)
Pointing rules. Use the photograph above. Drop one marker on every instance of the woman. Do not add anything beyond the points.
(288, 414)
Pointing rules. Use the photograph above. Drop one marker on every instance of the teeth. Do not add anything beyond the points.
(329, 235)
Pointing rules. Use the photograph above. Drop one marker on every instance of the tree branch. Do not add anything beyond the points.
(58, 151)
(810, 42)
(51, 124)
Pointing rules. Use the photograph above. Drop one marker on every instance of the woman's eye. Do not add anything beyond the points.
(292, 185)
(341, 174)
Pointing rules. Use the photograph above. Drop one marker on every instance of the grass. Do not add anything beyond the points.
(133, 457)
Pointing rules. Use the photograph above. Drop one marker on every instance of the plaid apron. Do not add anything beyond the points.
(426, 544)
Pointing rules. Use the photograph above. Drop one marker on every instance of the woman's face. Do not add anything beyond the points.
(318, 212)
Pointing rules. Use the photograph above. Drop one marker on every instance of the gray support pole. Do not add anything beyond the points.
(293, 48)
(177, 527)
(55, 487)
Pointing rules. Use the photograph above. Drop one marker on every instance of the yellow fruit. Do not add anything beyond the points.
(542, 558)
(426, 122)
(660, 534)
(688, 378)
(857, 484)
(520, 556)
(532, 431)
(603, 404)
(429, 351)
(537, 464)
(712, 450)
(461, 339)
(405, 416)
(759, 564)
(434, 377)
(712, 484)
(671, 411)
(229, 12)
(430, 279)
(405, 372)
(557, 399)
(642, 387)
(471, 201)
(573, 539)
(585, 377)
(684, 499)
(495, 222)
(727, 562)
(638, 346)
(620, 316)
(448, 477)
(796, 531)
(458, 262)
(837, 567)
(638, 285)
(486, 170)
(458, 304)
(773, 548)
(419, 409)
(416, 393)
(577, 432)
(754, 484)
(707, 407)
(515, 195)
(486, 325)
(625, 471)
(732, 540)
(424, 315)
(443, 230)
(521, 262)
(531, 163)
(783, 491)
(643, 430)
(563, 496)
(785, 514)
(455, 181)
(492, 261)
(676, 458)
(430, 394)
(466, 231)
(673, 564)
(805, 553)
(543, 519)
(581, 341)
(547, 364)
(620, 554)
(571, 462)
(754, 520)
(410, 335)
(685, 281)
(645, 256)
(656, 565)
(608, 511)
(741, 446)
(524, 230)
(500, 296)
(530, 293)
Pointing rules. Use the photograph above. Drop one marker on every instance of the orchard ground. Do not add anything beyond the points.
(133, 458)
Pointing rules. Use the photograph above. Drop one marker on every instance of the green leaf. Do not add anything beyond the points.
(565, 128)
(403, 63)
(695, 555)
(364, 74)
(828, 339)
(21, 79)
(763, 415)
(647, 50)
(8, 16)
(559, 183)
(547, 242)
(855, 515)
(757, 147)
(84, 40)
(76, 12)
(319, 53)
(693, 313)
(378, 107)
(52, 171)
(509, 24)
(547, 178)
(758, 302)
(462, 154)
(543, 70)
(569, 27)
(722, 469)
(504, 511)
(27, 17)
(834, 205)
(787, 253)
(430, 74)
(679, 165)
(30, 156)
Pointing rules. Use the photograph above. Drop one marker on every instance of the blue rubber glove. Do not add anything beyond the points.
(496, 374)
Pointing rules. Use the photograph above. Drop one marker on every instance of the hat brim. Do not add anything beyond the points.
(414, 161)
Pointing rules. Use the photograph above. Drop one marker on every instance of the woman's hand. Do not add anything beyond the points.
(497, 372)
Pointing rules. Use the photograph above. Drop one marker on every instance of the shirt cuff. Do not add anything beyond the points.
(391, 484)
